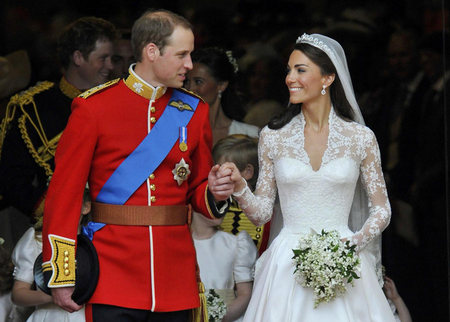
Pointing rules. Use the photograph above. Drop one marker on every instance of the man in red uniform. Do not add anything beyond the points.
(143, 145)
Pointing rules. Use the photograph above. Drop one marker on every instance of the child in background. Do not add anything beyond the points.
(401, 312)
(227, 261)
(24, 292)
(243, 151)
(6, 283)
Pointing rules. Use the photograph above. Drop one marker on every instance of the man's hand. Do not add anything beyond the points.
(62, 297)
(219, 183)
(230, 169)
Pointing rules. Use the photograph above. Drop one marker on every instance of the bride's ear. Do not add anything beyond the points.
(327, 80)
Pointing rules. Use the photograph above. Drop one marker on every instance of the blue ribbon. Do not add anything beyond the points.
(137, 167)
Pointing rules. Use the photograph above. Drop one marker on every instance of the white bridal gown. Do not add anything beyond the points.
(319, 200)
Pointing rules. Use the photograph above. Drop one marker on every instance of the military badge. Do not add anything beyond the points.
(180, 105)
(181, 171)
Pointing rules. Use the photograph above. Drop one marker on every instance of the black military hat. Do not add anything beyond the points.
(86, 272)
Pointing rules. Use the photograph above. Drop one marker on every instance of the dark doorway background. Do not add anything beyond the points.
(242, 25)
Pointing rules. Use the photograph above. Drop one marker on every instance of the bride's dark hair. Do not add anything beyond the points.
(341, 106)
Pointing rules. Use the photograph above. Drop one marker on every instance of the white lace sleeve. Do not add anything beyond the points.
(373, 182)
(259, 206)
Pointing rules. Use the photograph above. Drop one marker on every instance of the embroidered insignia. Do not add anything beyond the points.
(180, 105)
(138, 87)
(181, 171)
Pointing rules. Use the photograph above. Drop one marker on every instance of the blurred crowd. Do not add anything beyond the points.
(396, 54)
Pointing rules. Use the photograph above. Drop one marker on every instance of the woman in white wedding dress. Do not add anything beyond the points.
(317, 155)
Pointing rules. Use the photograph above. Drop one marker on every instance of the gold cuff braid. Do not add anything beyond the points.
(62, 261)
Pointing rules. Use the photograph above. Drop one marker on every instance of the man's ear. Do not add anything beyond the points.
(151, 52)
(77, 58)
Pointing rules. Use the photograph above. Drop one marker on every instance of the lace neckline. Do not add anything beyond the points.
(331, 131)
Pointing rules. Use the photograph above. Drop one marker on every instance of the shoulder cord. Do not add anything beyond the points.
(21, 100)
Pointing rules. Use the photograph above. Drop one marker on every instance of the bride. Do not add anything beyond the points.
(319, 156)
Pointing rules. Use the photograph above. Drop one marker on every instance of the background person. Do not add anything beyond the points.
(36, 117)
(213, 77)
(123, 55)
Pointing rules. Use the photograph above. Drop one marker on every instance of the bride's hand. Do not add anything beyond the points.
(230, 169)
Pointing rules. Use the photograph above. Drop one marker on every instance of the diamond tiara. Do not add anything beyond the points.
(316, 42)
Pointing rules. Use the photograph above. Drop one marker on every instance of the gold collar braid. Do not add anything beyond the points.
(68, 89)
(141, 87)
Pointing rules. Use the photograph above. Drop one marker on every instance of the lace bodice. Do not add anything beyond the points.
(319, 199)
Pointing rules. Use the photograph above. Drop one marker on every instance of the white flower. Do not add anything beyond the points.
(216, 306)
(326, 264)
(138, 87)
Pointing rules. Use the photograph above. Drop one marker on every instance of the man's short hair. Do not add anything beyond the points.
(155, 26)
(82, 35)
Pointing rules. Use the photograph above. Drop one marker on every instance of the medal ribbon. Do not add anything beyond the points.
(183, 136)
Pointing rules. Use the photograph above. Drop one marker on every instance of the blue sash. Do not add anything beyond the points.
(149, 154)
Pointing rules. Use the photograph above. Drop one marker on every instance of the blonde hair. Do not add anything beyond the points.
(241, 150)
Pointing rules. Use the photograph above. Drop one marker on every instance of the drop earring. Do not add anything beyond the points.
(219, 94)
(323, 91)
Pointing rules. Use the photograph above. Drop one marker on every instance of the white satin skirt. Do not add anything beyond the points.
(277, 297)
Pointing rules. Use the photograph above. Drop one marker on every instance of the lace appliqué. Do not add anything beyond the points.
(319, 198)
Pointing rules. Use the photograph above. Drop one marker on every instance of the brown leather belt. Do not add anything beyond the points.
(139, 215)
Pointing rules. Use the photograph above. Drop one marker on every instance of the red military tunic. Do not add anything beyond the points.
(142, 267)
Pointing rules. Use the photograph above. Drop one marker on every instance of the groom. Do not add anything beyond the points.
(143, 144)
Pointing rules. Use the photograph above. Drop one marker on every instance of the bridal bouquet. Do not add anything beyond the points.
(216, 306)
(326, 264)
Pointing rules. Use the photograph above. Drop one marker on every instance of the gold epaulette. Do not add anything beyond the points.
(20, 100)
(191, 93)
(99, 88)
(235, 221)
(62, 262)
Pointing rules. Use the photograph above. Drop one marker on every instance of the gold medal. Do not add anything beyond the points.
(183, 138)
(183, 147)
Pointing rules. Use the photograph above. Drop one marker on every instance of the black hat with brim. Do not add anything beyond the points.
(86, 272)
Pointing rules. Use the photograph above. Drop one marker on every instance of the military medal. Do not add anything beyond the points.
(181, 171)
(183, 136)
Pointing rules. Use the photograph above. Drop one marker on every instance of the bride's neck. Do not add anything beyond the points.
(316, 115)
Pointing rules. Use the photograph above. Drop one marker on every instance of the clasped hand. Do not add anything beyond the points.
(225, 179)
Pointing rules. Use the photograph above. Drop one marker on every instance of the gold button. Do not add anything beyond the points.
(66, 253)
(66, 265)
(153, 119)
(152, 198)
(66, 272)
(153, 187)
(152, 109)
(152, 176)
(258, 229)
(258, 236)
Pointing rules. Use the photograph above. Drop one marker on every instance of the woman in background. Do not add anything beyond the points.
(213, 78)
